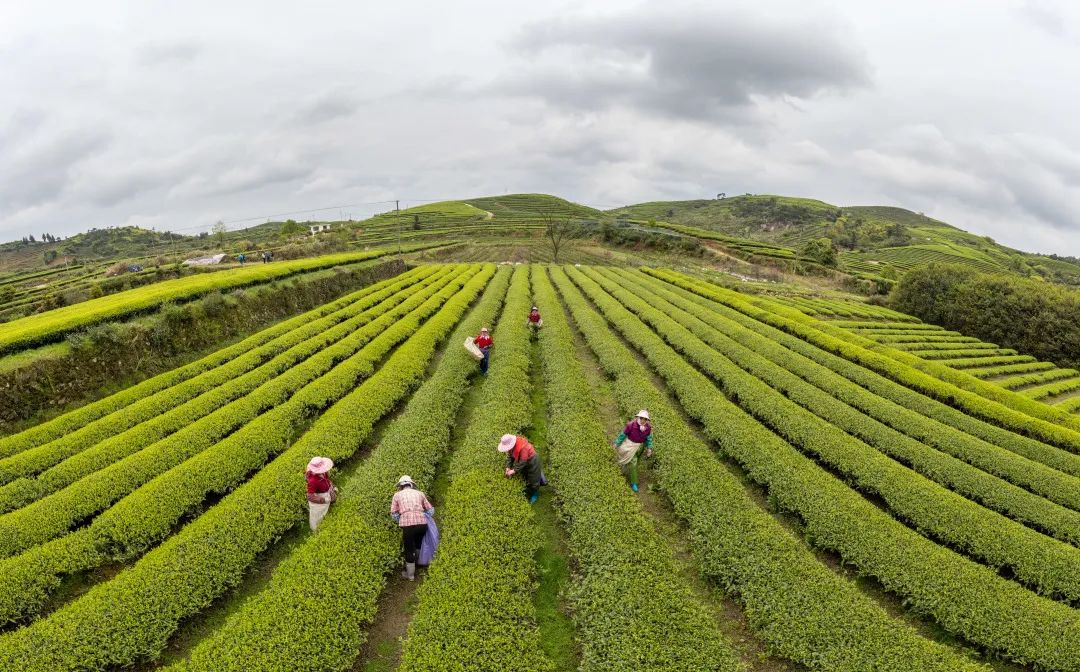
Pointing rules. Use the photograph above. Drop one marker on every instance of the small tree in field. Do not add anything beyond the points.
(556, 230)
(289, 228)
(219, 230)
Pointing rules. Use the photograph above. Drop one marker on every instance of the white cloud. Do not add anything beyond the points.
(186, 120)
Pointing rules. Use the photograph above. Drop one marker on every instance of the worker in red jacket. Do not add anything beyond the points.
(534, 320)
(320, 489)
(522, 458)
(484, 342)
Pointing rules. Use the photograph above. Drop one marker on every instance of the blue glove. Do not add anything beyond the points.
(396, 517)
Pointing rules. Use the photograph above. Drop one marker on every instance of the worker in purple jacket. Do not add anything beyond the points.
(635, 439)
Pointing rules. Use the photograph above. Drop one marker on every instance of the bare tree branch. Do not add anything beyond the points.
(556, 229)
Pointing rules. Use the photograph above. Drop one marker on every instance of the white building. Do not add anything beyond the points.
(319, 228)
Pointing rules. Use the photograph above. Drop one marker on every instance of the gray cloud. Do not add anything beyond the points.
(329, 106)
(684, 64)
(1034, 177)
(189, 120)
(1045, 15)
(168, 53)
(40, 169)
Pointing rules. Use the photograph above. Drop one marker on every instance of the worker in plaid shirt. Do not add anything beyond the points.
(407, 509)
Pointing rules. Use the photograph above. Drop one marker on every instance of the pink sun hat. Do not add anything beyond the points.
(507, 442)
(320, 465)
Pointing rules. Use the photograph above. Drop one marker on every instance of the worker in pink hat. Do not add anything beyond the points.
(407, 508)
(522, 458)
(635, 439)
(320, 489)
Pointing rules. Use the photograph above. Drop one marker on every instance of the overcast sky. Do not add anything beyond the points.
(178, 114)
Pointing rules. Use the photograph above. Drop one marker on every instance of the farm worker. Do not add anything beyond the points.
(522, 458)
(484, 342)
(407, 508)
(635, 438)
(320, 490)
(534, 319)
(242, 258)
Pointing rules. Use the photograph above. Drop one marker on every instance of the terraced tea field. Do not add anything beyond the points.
(1005, 367)
(826, 493)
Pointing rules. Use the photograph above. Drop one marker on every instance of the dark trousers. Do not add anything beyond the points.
(485, 360)
(532, 476)
(411, 538)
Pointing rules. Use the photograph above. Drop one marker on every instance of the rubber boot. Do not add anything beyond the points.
(633, 486)
(535, 496)
(410, 571)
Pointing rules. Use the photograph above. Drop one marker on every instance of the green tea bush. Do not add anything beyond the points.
(631, 606)
(131, 617)
(803, 610)
(357, 542)
(964, 597)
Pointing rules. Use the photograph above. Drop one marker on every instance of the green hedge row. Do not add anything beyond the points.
(1070, 405)
(875, 325)
(1036, 378)
(964, 597)
(631, 606)
(946, 466)
(1009, 369)
(742, 314)
(475, 608)
(54, 514)
(1052, 389)
(357, 542)
(966, 359)
(138, 521)
(954, 354)
(1036, 419)
(69, 423)
(976, 348)
(76, 457)
(52, 325)
(942, 338)
(130, 618)
(845, 440)
(917, 429)
(874, 332)
(798, 606)
(870, 311)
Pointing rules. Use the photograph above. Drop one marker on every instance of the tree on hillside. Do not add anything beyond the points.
(820, 251)
(556, 230)
(289, 228)
(219, 230)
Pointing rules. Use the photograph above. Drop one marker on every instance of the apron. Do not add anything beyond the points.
(626, 451)
(316, 512)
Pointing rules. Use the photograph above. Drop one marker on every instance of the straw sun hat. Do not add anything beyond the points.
(507, 442)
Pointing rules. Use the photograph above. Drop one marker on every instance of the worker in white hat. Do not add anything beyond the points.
(484, 343)
(407, 508)
(320, 489)
(522, 458)
(635, 439)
